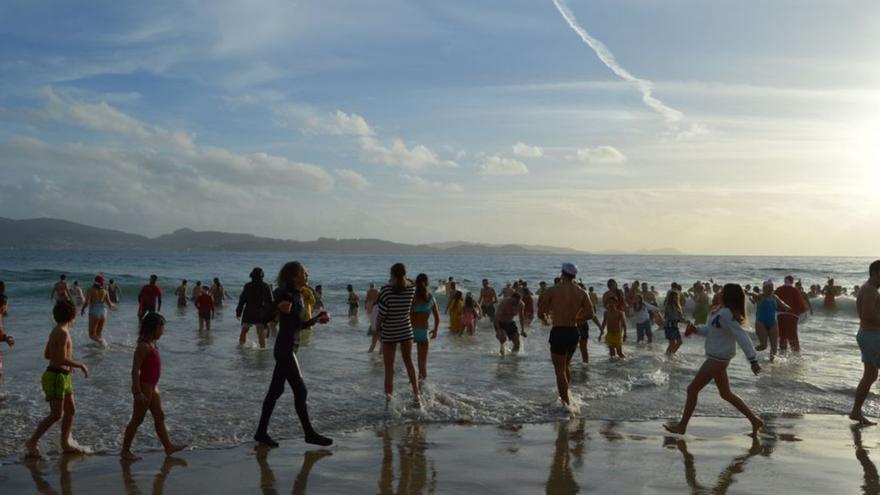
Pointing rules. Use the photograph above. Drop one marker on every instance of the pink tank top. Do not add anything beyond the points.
(151, 367)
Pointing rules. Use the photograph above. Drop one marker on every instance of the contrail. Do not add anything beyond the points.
(645, 87)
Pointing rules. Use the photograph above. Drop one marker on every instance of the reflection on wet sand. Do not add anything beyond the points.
(131, 486)
(267, 476)
(561, 480)
(36, 465)
(872, 479)
(725, 478)
(417, 473)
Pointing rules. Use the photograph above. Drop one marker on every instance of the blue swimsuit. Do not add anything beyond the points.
(767, 312)
(421, 334)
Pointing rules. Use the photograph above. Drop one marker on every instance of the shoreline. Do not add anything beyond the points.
(811, 453)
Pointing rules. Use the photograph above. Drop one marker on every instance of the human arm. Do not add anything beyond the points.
(159, 301)
(522, 314)
(85, 305)
(140, 353)
(56, 352)
(742, 338)
(782, 304)
(544, 305)
(436, 311)
(242, 300)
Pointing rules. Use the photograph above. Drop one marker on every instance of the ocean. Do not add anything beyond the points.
(212, 388)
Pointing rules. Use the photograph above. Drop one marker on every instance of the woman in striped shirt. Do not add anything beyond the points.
(395, 327)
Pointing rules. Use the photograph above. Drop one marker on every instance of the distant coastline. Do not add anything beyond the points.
(50, 233)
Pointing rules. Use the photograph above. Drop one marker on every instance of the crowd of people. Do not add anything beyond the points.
(405, 311)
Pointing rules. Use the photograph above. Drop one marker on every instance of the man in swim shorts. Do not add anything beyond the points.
(566, 301)
(868, 306)
(487, 301)
(505, 326)
(60, 291)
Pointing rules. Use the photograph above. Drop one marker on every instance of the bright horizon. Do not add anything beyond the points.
(736, 128)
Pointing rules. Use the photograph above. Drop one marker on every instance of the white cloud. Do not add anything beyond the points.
(694, 131)
(524, 150)
(599, 154)
(339, 123)
(496, 165)
(424, 185)
(417, 157)
(352, 179)
(96, 116)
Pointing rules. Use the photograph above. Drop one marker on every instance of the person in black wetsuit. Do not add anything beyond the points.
(253, 302)
(292, 277)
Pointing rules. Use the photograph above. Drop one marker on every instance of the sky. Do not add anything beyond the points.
(726, 127)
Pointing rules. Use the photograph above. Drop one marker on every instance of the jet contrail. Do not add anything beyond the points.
(645, 87)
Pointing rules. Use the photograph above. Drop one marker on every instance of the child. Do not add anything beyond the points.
(353, 302)
(722, 333)
(642, 317)
(469, 314)
(58, 382)
(765, 318)
(453, 309)
(205, 305)
(4, 337)
(614, 321)
(673, 315)
(145, 370)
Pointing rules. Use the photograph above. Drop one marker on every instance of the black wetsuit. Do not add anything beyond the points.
(290, 326)
(254, 302)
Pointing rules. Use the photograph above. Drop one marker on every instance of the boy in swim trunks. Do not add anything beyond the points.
(58, 381)
(4, 337)
(505, 327)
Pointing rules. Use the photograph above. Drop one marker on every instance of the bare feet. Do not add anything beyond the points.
(861, 419)
(72, 449)
(127, 455)
(756, 427)
(174, 448)
(31, 451)
(677, 428)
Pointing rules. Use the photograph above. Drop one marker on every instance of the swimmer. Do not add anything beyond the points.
(765, 318)
(196, 292)
(254, 307)
(829, 292)
(180, 292)
(423, 307)
(453, 309)
(642, 318)
(60, 291)
(77, 292)
(788, 320)
(395, 324)
(509, 309)
(146, 368)
(115, 291)
(97, 302)
(57, 381)
(614, 322)
(205, 306)
(353, 302)
(723, 333)
(218, 292)
(149, 298)
(673, 315)
(868, 307)
(470, 313)
(488, 298)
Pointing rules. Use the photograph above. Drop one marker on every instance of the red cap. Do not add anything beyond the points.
(99, 279)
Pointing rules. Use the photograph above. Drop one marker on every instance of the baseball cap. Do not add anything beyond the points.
(569, 269)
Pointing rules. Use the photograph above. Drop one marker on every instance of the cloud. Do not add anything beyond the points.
(96, 116)
(496, 165)
(397, 154)
(352, 179)
(599, 154)
(694, 131)
(524, 150)
(339, 123)
(424, 185)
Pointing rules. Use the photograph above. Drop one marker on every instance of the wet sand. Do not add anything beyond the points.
(797, 454)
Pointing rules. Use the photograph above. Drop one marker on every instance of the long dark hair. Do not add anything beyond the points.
(734, 298)
(398, 276)
(422, 287)
(287, 273)
(150, 326)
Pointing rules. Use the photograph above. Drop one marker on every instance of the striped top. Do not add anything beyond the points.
(394, 307)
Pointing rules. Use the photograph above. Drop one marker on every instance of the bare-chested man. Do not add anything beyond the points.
(487, 301)
(566, 301)
(61, 291)
(868, 306)
(613, 290)
(509, 309)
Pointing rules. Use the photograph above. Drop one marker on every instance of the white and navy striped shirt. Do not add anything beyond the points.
(394, 306)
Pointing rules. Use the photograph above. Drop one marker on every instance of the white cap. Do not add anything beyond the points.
(569, 269)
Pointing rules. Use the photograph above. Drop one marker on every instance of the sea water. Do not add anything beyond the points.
(212, 388)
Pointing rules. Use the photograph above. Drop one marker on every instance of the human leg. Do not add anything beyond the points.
(869, 376)
(139, 412)
(406, 354)
(723, 385)
(704, 376)
(388, 351)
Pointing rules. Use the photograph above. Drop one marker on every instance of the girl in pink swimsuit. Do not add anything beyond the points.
(470, 314)
(145, 372)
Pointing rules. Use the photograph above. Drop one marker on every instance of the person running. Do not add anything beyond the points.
(353, 302)
(565, 300)
(205, 305)
(57, 381)
(673, 315)
(868, 338)
(370, 301)
(181, 293)
(453, 309)
(723, 333)
(766, 325)
(253, 303)
(61, 291)
(469, 314)
(218, 292)
(395, 327)
(78, 297)
(487, 300)
(288, 300)
(642, 318)
(423, 307)
(97, 302)
(4, 337)
(115, 291)
(509, 309)
(614, 324)
(788, 320)
(149, 298)
(146, 367)
(196, 292)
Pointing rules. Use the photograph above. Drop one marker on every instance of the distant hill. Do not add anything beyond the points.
(644, 252)
(61, 234)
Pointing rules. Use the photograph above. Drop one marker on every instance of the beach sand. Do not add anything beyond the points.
(796, 454)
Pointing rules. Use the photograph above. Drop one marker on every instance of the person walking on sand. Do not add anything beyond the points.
(564, 300)
(149, 298)
(288, 299)
(181, 294)
(487, 300)
(97, 302)
(723, 332)
(395, 327)
(146, 368)
(253, 302)
(868, 306)
(788, 320)
(57, 381)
